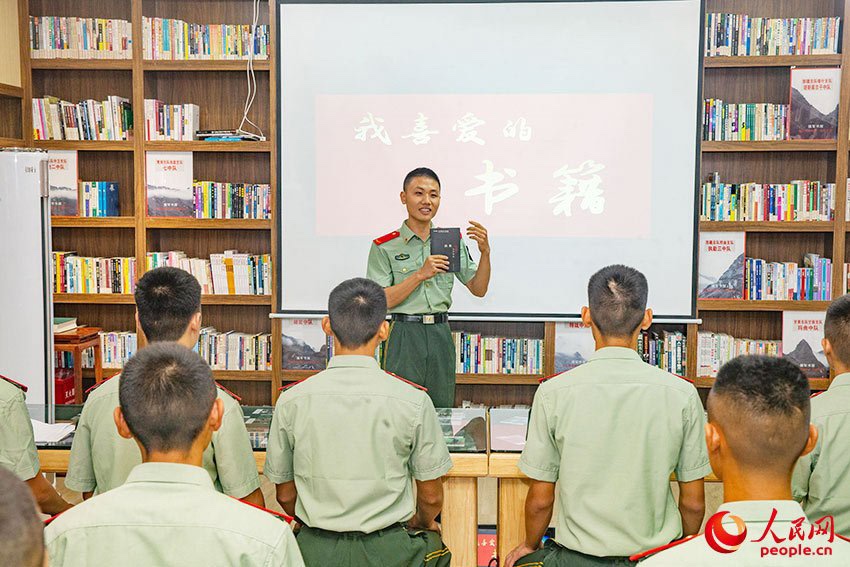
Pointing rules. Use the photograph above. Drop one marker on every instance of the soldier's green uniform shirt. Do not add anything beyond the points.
(17, 445)
(394, 261)
(353, 438)
(101, 459)
(610, 432)
(821, 481)
(169, 514)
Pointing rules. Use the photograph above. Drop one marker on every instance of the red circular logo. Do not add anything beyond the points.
(721, 540)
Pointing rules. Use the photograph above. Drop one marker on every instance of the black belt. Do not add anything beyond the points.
(429, 319)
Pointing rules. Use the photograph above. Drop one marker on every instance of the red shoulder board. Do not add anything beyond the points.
(284, 517)
(291, 384)
(645, 554)
(548, 377)
(387, 237)
(816, 394)
(397, 377)
(51, 518)
(232, 395)
(13, 383)
(683, 378)
(102, 382)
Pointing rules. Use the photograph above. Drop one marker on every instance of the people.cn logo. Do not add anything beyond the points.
(717, 536)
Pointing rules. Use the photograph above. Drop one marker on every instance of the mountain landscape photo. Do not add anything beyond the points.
(730, 284)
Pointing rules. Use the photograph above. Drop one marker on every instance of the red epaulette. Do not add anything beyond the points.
(102, 382)
(51, 518)
(417, 386)
(816, 394)
(13, 383)
(284, 517)
(683, 378)
(387, 237)
(291, 384)
(645, 554)
(232, 395)
(548, 377)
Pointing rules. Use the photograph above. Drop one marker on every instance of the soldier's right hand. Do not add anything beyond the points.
(436, 264)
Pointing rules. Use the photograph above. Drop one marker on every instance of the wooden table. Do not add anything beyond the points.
(76, 342)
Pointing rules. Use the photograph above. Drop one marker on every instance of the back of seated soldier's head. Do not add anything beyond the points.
(758, 413)
(167, 300)
(167, 395)
(21, 530)
(617, 300)
(836, 333)
(357, 312)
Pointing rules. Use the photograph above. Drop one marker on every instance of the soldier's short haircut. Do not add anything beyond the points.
(836, 328)
(21, 530)
(356, 308)
(762, 405)
(420, 172)
(167, 299)
(166, 394)
(617, 299)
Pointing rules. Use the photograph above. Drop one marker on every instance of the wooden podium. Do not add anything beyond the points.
(76, 342)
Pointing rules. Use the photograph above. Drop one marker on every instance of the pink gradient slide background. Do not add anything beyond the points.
(358, 181)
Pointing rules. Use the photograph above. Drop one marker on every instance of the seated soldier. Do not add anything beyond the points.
(17, 447)
(168, 513)
(609, 433)
(168, 308)
(346, 444)
(21, 530)
(758, 426)
(821, 481)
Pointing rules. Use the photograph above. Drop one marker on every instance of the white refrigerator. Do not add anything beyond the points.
(26, 306)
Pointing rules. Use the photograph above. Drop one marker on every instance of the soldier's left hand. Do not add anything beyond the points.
(478, 233)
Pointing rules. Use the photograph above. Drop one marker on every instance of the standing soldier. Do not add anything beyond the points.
(419, 289)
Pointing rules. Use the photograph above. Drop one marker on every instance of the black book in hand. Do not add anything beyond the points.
(446, 242)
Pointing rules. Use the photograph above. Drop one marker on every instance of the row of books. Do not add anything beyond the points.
(171, 39)
(99, 199)
(798, 200)
(745, 122)
(116, 348)
(84, 274)
(716, 349)
(55, 119)
(781, 281)
(171, 122)
(222, 200)
(228, 273)
(235, 351)
(56, 37)
(741, 35)
(476, 354)
(667, 351)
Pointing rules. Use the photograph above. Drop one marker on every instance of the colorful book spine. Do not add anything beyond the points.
(176, 40)
(744, 35)
(53, 37)
(228, 273)
(788, 281)
(795, 201)
(232, 350)
(476, 354)
(108, 120)
(667, 351)
(99, 199)
(716, 349)
(744, 122)
(171, 122)
(82, 274)
(214, 200)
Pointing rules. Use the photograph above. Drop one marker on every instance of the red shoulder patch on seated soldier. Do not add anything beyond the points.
(387, 237)
(13, 383)
(51, 518)
(102, 382)
(232, 395)
(397, 377)
(816, 394)
(295, 383)
(683, 378)
(645, 554)
(548, 377)
(284, 517)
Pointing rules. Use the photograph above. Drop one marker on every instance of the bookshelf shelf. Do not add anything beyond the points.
(93, 222)
(777, 146)
(803, 226)
(814, 383)
(748, 305)
(499, 379)
(83, 64)
(85, 145)
(5, 142)
(204, 65)
(209, 146)
(232, 224)
(243, 375)
(772, 61)
(236, 300)
(94, 298)
(11, 91)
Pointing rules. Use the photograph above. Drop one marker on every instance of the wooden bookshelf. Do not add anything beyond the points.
(83, 64)
(761, 226)
(499, 379)
(232, 224)
(94, 298)
(816, 384)
(776, 146)
(85, 145)
(747, 305)
(93, 222)
(773, 61)
(206, 65)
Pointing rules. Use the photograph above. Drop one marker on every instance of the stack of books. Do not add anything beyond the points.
(794, 201)
(171, 39)
(716, 349)
(99, 199)
(171, 122)
(116, 348)
(667, 351)
(748, 122)
(222, 200)
(783, 281)
(55, 119)
(53, 37)
(228, 273)
(740, 34)
(235, 351)
(477, 354)
(81, 274)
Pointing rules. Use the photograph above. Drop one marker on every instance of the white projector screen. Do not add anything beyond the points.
(569, 129)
